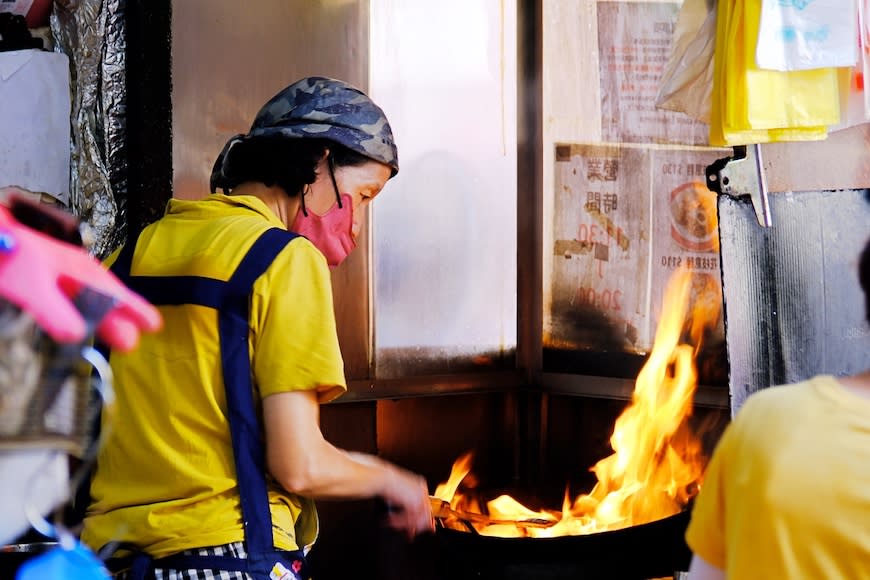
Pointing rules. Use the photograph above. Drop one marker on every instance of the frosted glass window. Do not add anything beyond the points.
(444, 232)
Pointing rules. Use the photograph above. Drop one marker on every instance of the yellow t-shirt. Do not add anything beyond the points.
(165, 479)
(787, 492)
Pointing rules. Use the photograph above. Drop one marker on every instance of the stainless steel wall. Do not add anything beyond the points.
(230, 57)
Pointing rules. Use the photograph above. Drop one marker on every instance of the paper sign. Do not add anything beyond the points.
(625, 219)
(634, 43)
(807, 34)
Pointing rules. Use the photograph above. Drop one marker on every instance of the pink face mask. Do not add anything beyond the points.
(330, 232)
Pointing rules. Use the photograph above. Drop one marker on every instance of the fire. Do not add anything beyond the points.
(657, 461)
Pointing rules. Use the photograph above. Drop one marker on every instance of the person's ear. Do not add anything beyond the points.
(322, 162)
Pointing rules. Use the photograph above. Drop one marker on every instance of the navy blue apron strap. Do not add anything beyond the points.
(142, 568)
(121, 269)
(231, 299)
(258, 259)
(248, 448)
(178, 290)
(168, 290)
(139, 566)
(123, 263)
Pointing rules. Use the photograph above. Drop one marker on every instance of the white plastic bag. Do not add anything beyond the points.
(687, 82)
(807, 34)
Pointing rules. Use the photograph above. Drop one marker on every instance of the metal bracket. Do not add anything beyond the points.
(742, 174)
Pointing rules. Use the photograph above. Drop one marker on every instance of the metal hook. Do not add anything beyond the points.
(743, 174)
(104, 384)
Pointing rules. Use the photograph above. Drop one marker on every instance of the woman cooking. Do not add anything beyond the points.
(214, 451)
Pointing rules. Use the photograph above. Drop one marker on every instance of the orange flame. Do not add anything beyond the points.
(657, 461)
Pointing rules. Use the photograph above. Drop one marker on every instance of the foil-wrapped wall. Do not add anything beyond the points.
(92, 34)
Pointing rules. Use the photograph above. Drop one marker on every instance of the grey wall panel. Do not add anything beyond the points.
(793, 304)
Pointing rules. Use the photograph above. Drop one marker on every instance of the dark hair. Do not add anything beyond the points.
(291, 164)
(864, 277)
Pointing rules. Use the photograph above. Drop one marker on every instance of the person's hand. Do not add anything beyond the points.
(43, 276)
(407, 497)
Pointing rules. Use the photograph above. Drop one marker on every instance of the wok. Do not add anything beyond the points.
(652, 550)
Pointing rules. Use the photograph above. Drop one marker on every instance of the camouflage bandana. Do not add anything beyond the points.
(323, 108)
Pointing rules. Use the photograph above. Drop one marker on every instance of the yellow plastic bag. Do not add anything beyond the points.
(751, 105)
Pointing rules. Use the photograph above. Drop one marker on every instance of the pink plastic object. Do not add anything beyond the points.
(42, 276)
